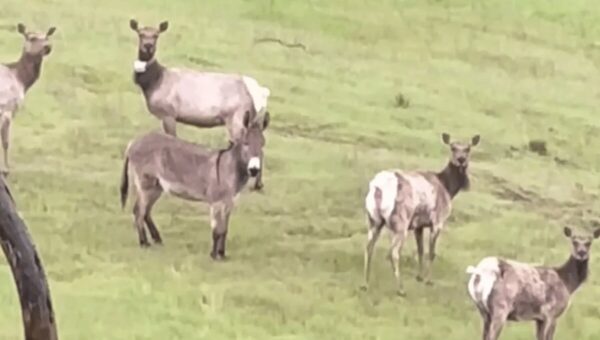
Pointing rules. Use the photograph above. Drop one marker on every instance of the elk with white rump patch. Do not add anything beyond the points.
(16, 79)
(201, 99)
(508, 290)
(405, 201)
(158, 162)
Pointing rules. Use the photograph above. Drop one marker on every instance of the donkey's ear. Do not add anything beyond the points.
(21, 28)
(133, 24)
(51, 31)
(163, 26)
(567, 232)
(597, 233)
(445, 138)
(475, 140)
(247, 119)
(266, 120)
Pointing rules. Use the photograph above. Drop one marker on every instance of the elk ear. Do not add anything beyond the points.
(445, 138)
(21, 28)
(247, 119)
(163, 26)
(133, 24)
(51, 31)
(567, 232)
(266, 120)
(597, 233)
(475, 140)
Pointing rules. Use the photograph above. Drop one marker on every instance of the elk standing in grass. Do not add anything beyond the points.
(405, 201)
(16, 79)
(201, 99)
(158, 162)
(508, 290)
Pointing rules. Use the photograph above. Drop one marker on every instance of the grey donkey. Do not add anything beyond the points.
(414, 201)
(504, 290)
(17, 78)
(201, 99)
(158, 162)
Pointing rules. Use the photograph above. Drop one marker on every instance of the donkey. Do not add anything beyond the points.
(159, 162)
(16, 78)
(405, 201)
(509, 290)
(201, 99)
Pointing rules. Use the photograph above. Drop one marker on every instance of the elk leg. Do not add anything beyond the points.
(399, 231)
(420, 252)
(169, 126)
(486, 324)
(152, 198)
(5, 136)
(496, 324)
(433, 237)
(138, 221)
(372, 236)
(549, 330)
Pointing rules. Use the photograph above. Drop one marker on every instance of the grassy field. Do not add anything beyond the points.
(512, 71)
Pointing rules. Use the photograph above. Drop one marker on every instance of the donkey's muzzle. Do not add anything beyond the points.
(254, 166)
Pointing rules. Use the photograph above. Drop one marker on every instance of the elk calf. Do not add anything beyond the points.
(405, 201)
(508, 290)
(16, 79)
(158, 162)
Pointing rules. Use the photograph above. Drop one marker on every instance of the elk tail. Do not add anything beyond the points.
(124, 182)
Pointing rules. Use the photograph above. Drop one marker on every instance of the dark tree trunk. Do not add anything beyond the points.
(29, 276)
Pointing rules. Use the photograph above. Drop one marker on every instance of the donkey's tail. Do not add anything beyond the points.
(124, 182)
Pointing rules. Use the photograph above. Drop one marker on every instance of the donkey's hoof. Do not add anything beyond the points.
(364, 287)
(401, 292)
(218, 257)
(429, 283)
(258, 187)
(144, 245)
(420, 278)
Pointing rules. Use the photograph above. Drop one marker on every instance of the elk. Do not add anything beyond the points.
(158, 162)
(404, 201)
(17, 78)
(200, 99)
(505, 290)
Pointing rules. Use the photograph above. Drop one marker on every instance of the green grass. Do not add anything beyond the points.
(510, 70)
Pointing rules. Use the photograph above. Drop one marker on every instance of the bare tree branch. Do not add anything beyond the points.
(36, 306)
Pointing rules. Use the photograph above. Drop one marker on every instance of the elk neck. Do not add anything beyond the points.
(27, 69)
(454, 179)
(573, 273)
(150, 78)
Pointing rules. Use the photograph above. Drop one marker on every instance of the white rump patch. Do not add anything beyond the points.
(254, 163)
(139, 66)
(259, 94)
(488, 271)
(387, 182)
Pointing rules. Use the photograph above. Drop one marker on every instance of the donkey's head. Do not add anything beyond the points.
(460, 152)
(253, 142)
(581, 245)
(37, 44)
(148, 39)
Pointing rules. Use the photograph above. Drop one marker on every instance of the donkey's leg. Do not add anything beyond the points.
(152, 197)
(420, 251)
(169, 126)
(372, 236)
(539, 329)
(550, 329)
(217, 226)
(399, 229)
(5, 121)
(225, 220)
(138, 222)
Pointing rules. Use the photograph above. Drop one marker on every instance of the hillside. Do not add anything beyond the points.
(511, 71)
